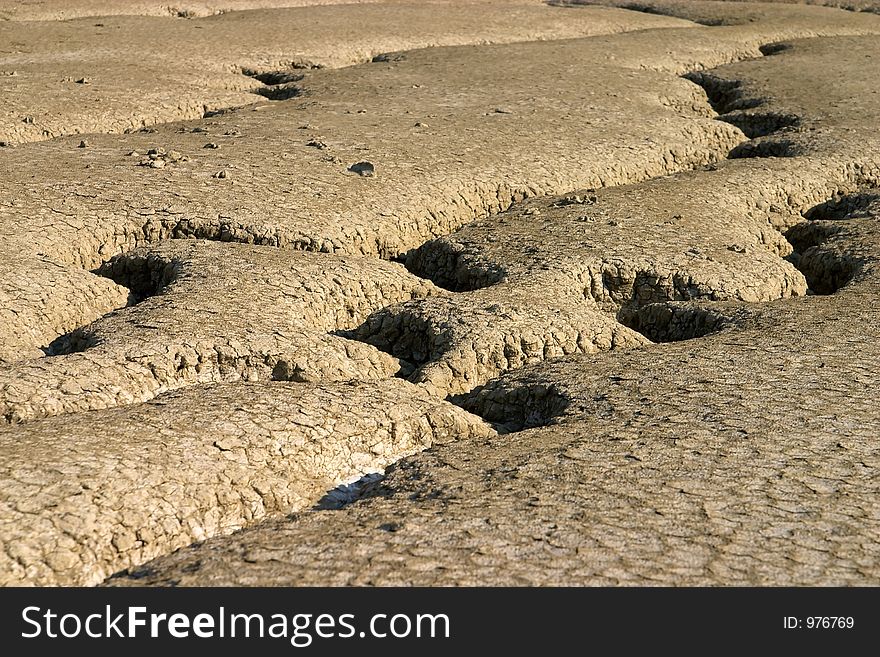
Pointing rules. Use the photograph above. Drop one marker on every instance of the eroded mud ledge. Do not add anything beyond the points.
(700, 461)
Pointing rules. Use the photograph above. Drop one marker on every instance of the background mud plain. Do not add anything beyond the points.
(439, 293)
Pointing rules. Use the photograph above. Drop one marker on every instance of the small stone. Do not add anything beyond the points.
(70, 387)
(133, 154)
(532, 212)
(29, 120)
(503, 110)
(211, 144)
(316, 143)
(157, 164)
(389, 57)
(364, 168)
(576, 199)
(421, 125)
(156, 151)
(83, 144)
(199, 130)
(736, 248)
(220, 174)
(175, 156)
(83, 81)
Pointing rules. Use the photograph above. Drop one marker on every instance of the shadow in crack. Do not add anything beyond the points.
(451, 266)
(772, 147)
(279, 85)
(843, 206)
(724, 95)
(509, 409)
(347, 493)
(144, 276)
(736, 107)
(676, 321)
(827, 267)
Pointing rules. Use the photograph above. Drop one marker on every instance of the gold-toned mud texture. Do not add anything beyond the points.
(439, 293)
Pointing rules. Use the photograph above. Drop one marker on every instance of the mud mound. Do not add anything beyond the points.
(630, 278)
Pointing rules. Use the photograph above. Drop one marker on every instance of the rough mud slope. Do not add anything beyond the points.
(629, 278)
(45, 10)
(724, 12)
(747, 454)
(451, 134)
(214, 312)
(84, 499)
(54, 10)
(118, 73)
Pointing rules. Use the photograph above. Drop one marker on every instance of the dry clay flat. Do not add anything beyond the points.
(602, 307)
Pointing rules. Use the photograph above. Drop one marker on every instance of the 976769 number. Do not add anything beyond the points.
(819, 622)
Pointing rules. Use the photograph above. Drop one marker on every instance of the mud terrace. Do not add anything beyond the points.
(439, 293)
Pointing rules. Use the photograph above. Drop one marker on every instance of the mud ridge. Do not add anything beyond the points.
(744, 456)
(111, 489)
(191, 327)
(635, 295)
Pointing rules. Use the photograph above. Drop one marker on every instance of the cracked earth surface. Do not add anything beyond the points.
(593, 286)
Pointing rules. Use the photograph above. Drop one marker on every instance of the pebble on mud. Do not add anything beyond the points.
(83, 144)
(220, 174)
(211, 144)
(364, 168)
(576, 199)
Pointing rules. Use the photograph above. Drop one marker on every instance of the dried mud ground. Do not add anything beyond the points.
(439, 293)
